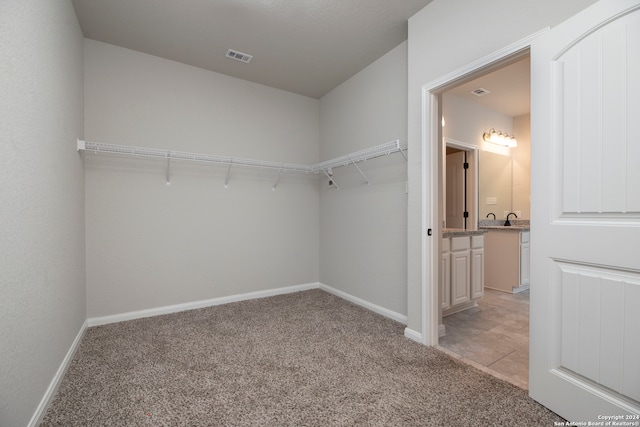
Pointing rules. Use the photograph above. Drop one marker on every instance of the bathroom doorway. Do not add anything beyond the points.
(460, 185)
(494, 335)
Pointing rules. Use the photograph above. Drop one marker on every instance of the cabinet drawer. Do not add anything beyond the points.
(524, 237)
(460, 243)
(446, 247)
(477, 242)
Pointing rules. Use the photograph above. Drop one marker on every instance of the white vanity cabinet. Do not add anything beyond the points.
(507, 259)
(445, 274)
(461, 270)
(460, 282)
(524, 259)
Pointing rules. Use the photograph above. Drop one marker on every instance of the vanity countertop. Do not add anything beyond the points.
(459, 232)
(503, 228)
(493, 224)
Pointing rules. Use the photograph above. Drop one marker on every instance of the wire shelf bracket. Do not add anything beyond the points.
(168, 170)
(361, 173)
(226, 178)
(275, 184)
(331, 180)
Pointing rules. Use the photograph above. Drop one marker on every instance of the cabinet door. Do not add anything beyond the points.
(524, 264)
(445, 280)
(460, 277)
(524, 258)
(477, 273)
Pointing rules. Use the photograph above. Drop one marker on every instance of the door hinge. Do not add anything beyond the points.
(465, 165)
(429, 232)
(465, 214)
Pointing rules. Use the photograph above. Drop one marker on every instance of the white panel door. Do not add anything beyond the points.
(585, 221)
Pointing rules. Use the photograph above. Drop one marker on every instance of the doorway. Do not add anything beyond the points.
(456, 211)
(430, 225)
(460, 185)
(494, 334)
(564, 252)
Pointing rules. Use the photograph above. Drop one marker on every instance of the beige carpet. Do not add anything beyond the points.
(302, 359)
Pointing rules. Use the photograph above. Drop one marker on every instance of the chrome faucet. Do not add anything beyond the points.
(491, 213)
(507, 223)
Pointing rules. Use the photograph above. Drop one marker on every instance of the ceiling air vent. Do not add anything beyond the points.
(480, 91)
(239, 56)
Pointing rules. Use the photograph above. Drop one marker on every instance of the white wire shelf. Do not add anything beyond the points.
(170, 155)
(99, 147)
(360, 156)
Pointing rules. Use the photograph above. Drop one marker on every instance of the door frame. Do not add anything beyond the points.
(432, 170)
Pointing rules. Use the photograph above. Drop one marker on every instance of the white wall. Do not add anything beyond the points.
(522, 166)
(443, 37)
(42, 276)
(150, 245)
(466, 121)
(363, 227)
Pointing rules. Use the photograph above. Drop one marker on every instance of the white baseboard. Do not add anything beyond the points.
(366, 304)
(57, 378)
(114, 318)
(121, 317)
(521, 288)
(413, 335)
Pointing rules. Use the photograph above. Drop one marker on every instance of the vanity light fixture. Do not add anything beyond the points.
(499, 138)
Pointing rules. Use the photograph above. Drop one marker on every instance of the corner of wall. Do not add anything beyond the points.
(43, 273)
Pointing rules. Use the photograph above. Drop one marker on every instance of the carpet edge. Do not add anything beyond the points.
(50, 393)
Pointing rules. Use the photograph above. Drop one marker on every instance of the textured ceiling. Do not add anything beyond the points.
(303, 46)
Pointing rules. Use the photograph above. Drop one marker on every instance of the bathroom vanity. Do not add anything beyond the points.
(461, 269)
(507, 258)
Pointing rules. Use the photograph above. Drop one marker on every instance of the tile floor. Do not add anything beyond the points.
(495, 335)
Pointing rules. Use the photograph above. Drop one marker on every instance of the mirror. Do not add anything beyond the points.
(496, 184)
